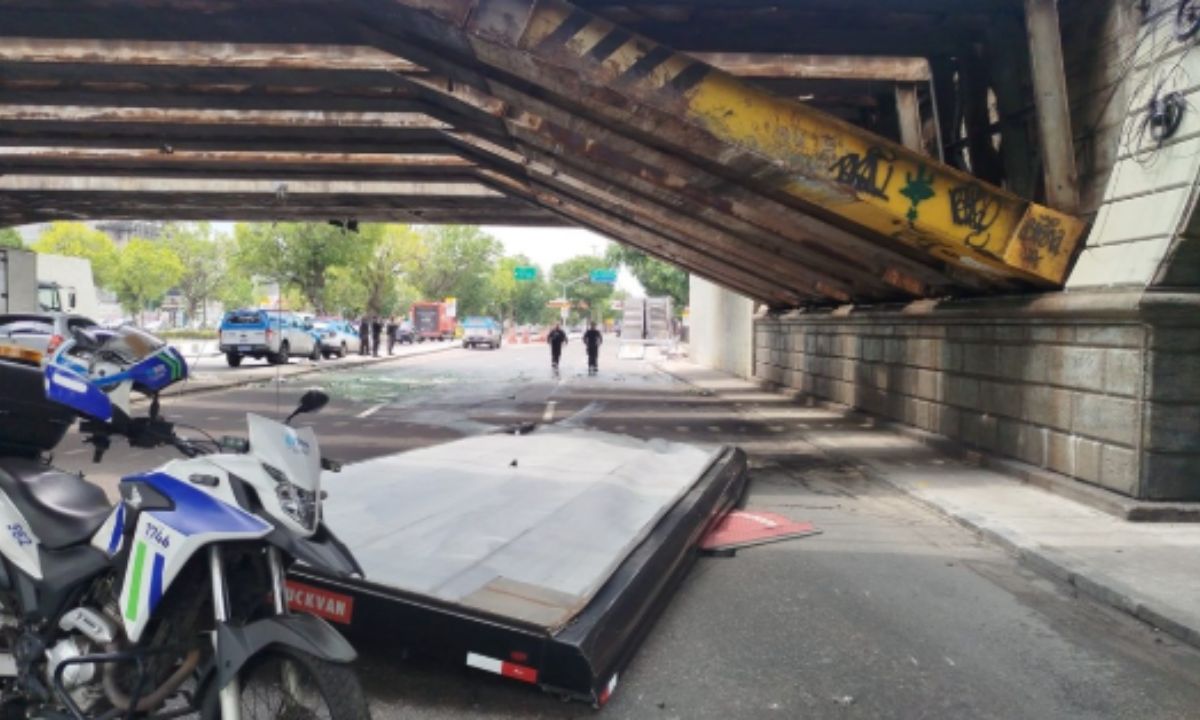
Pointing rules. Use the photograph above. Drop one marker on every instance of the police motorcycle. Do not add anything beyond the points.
(174, 600)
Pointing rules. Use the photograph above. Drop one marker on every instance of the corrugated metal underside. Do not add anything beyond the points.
(492, 111)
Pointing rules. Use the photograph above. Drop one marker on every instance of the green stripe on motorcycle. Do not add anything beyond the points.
(135, 581)
(172, 364)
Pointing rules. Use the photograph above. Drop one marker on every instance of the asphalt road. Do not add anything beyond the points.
(893, 612)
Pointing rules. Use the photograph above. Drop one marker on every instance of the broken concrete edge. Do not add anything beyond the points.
(1053, 564)
(313, 370)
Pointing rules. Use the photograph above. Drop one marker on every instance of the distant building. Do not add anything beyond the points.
(121, 231)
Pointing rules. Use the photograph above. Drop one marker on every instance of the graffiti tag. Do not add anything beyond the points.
(862, 172)
(1040, 233)
(972, 207)
(918, 190)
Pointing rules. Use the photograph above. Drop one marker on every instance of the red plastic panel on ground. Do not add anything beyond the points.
(743, 528)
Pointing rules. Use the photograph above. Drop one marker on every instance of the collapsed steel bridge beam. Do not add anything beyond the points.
(792, 152)
(612, 225)
(709, 259)
(588, 148)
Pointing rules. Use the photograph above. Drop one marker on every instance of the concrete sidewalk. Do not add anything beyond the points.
(1151, 571)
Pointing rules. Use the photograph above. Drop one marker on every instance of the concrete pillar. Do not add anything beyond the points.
(721, 334)
(908, 113)
(1053, 107)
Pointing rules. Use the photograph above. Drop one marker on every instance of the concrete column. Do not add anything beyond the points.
(1053, 107)
(721, 335)
(908, 113)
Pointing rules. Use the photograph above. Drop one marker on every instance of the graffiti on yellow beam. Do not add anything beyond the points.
(823, 162)
(888, 188)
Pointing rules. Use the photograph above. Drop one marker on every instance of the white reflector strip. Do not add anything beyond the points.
(500, 667)
(492, 665)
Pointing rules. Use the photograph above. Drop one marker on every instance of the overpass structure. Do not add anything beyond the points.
(855, 161)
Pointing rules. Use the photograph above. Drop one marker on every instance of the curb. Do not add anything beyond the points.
(1050, 563)
(1057, 566)
(313, 370)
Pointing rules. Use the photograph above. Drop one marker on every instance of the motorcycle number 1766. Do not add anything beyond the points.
(157, 535)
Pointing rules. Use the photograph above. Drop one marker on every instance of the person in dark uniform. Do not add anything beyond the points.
(592, 340)
(376, 332)
(364, 336)
(557, 338)
(391, 333)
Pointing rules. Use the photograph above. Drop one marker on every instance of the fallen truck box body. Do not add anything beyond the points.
(540, 570)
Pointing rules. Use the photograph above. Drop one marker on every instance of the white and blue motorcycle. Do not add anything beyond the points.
(174, 601)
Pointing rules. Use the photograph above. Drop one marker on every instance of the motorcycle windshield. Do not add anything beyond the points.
(149, 363)
(291, 450)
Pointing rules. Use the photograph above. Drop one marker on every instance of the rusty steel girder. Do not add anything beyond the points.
(861, 270)
(816, 162)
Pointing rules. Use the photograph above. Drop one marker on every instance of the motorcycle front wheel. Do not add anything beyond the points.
(287, 684)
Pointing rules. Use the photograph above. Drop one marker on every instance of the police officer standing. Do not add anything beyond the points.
(364, 336)
(376, 332)
(391, 333)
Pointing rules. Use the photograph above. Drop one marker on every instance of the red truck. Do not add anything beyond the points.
(431, 321)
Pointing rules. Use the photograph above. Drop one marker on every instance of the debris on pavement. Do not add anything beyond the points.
(746, 528)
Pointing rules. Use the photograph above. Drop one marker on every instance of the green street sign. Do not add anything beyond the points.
(606, 276)
(525, 273)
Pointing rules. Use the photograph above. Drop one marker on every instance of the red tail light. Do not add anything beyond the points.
(55, 341)
(270, 334)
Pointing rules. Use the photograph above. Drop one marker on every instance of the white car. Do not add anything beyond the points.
(42, 332)
(338, 337)
(272, 334)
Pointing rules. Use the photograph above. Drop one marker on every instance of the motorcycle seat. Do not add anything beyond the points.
(62, 508)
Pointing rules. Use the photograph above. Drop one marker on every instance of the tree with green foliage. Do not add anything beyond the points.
(298, 255)
(78, 240)
(379, 282)
(522, 301)
(145, 272)
(657, 277)
(459, 264)
(10, 238)
(574, 274)
(236, 288)
(202, 259)
(397, 254)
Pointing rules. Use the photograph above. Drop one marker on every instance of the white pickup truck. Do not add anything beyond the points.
(272, 334)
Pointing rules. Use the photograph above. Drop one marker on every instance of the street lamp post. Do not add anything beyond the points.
(566, 303)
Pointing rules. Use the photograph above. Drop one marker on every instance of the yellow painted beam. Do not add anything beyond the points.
(820, 161)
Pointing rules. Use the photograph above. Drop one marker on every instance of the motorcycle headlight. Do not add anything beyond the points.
(297, 503)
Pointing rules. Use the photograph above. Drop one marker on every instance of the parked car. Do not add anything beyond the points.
(338, 337)
(43, 332)
(272, 334)
(481, 331)
(405, 333)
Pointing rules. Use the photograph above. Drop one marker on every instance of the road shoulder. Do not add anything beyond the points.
(1146, 570)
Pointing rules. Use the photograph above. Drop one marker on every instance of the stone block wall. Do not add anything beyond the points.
(1103, 388)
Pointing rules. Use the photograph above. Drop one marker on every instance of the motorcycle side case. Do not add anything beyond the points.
(29, 423)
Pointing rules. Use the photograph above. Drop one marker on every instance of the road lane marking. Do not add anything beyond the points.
(548, 416)
(371, 411)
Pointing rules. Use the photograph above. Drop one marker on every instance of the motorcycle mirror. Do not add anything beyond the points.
(84, 339)
(311, 401)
